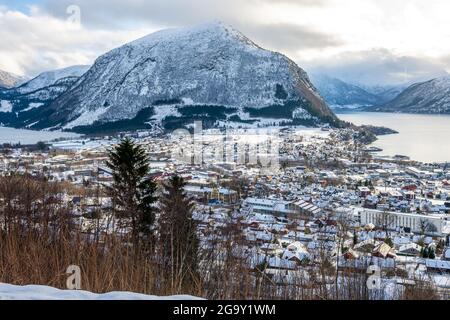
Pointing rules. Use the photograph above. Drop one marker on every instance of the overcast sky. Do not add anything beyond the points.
(367, 41)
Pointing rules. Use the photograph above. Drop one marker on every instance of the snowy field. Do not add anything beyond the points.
(83, 144)
(11, 292)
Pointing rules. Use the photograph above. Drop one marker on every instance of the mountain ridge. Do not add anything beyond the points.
(429, 97)
(49, 78)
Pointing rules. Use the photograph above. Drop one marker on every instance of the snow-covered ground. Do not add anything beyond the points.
(5, 106)
(83, 144)
(86, 118)
(12, 292)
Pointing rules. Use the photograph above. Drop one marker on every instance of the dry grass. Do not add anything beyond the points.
(37, 258)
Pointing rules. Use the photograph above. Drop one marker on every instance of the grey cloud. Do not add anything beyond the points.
(378, 67)
(120, 14)
(36, 42)
(289, 37)
(117, 14)
(32, 44)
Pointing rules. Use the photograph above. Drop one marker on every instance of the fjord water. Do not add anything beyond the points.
(424, 138)
(15, 136)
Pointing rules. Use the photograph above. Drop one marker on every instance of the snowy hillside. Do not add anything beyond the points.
(51, 77)
(21, 110)
(9, 80)
(11, 292)
(210, 72)
(431, 97)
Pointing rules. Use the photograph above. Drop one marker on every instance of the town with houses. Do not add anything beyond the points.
(327, 191)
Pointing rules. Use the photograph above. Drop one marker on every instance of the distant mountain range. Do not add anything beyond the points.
(339, 94)
(385, 93)
(343, 95)
(10, 80)
(49, 78)
(430, 97)
(20, 105)
(171, 78)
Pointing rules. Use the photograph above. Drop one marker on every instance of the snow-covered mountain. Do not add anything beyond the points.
(49, 78)
(9, 80)
(339, 94)
(20, 110)
(431, 97)
(22, 106)
(209, 72)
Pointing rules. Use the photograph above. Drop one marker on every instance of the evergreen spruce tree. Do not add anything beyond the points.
(355, 238)
(431, 254)
(133, 192)
(425, 253)
(178, 232)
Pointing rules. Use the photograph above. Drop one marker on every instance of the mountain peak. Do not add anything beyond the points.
(208, 31)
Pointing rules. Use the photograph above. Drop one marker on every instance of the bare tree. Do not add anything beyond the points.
(426, 226)
(385, 220)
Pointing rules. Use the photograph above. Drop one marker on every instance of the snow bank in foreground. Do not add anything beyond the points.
(12, 292)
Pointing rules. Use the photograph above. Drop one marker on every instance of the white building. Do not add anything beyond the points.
(276, 207)
(420, 174)
(394, 220)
